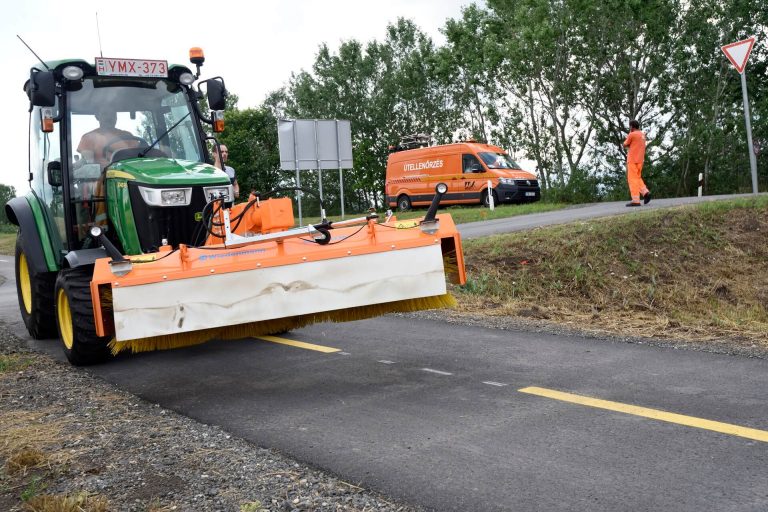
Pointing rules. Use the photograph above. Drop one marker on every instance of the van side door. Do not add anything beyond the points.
(471, 182)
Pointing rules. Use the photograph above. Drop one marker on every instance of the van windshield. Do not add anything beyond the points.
(498, 160)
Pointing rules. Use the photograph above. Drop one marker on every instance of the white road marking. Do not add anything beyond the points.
(430, 370)
(384, 361)
(491, 383)
(344, 353)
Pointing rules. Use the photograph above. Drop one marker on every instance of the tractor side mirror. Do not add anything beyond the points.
(41, 88)
(54, 174)
(216, 93)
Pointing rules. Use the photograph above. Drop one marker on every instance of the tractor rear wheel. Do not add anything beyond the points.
(35, 292)
(74, 318)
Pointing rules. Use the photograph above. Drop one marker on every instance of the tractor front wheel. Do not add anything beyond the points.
(74, 318)
(35, 293)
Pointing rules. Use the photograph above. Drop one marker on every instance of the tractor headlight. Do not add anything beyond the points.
(166, 196)
(218, 192)
(187, 78)
(72, 73)
(507, 181)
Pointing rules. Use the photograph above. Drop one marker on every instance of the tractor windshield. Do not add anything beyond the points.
(107, 114)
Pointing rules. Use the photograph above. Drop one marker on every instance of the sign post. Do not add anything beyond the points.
(738, 53)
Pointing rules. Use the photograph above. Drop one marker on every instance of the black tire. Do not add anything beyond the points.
(484, 199)
(35, 293)
(404, 203)
(74, 318)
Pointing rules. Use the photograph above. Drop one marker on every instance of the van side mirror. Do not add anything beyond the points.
(41, 88)
(54, 174)
(217, 93)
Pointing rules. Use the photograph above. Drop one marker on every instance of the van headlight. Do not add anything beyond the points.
(166, 196)
(507, 181)
(218, 192)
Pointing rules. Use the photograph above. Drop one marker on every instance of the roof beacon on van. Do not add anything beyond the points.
(430, 164)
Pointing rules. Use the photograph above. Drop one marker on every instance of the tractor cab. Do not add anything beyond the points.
(119, 144)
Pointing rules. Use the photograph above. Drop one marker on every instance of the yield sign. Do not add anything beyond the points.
(738, 52)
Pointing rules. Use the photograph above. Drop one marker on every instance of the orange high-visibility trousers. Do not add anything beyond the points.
(637, 187)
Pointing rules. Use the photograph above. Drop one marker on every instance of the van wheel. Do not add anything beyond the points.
(485, 200)
(74, 318)
(403, 203)
(35, 293)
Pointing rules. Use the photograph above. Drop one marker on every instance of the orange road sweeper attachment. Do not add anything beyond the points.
(257, 275)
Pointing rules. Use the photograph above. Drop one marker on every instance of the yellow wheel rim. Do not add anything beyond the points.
(64, 316)
(25, 283)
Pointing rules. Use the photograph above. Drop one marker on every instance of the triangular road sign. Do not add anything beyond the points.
(738, 52)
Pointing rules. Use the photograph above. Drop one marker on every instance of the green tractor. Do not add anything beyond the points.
(118, 165)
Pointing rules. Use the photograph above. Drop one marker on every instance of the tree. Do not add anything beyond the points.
(467, 68)
(556, 81)
(386, 89)
(706, 122)
(546, 70)
(251, 137)
(7, 192)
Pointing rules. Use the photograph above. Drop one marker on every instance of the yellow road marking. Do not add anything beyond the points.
(299, 344)
(690, 421)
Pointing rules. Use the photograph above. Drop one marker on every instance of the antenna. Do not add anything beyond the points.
(33, 53)
(98, 32)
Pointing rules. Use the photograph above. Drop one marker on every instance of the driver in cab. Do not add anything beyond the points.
(97, 146)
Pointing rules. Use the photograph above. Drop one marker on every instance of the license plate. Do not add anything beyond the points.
(131, 67)
(530, 194)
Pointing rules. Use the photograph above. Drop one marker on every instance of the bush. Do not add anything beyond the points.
(581, 188)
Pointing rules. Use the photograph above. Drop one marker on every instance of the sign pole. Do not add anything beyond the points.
(752, 159)
(296, 161)
(319, 173)
(341, 175)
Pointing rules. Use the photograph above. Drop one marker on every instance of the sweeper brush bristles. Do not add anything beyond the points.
(254, 329)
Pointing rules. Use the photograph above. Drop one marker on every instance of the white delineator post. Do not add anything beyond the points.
(701, 183)
(490, 195)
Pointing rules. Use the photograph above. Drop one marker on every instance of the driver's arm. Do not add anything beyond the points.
(86, 149)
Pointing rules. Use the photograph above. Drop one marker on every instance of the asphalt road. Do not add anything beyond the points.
(433, 414)
(580, 212)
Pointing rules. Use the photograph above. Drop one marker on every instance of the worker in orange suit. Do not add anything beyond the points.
(635, 143)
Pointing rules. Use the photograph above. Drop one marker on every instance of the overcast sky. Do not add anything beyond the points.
(254, 46)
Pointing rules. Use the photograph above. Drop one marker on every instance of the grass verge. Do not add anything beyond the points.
(464, 214)
(693, 272)
(7, 243)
